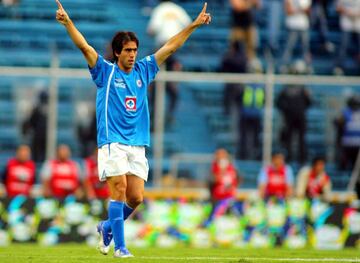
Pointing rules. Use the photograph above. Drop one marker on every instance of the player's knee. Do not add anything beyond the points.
(135, 200)
(119, 191)
(120, 188)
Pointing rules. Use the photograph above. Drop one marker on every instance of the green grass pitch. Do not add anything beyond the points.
(69, 253)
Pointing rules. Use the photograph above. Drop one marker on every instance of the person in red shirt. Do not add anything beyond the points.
(94, 188)
(223, 185)
(276, 179)
(313, 182)
(19, 175)
(224, 177)
(61, 177)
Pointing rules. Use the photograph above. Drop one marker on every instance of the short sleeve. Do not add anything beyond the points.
(289, 176)
(262, 179)
(81, 174)
(148, 68)
(45, 172)
(100, 71)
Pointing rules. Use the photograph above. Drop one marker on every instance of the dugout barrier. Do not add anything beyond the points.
(184, 222)
(72, 96)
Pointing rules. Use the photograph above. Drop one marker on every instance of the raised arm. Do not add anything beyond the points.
(78, 39)
(178, 40)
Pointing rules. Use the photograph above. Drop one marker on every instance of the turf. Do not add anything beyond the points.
(81, 253)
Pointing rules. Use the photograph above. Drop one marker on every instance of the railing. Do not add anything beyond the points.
(268, 80)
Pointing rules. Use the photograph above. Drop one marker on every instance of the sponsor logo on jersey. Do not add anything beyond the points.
(148, 58)
(119, 83)
(130, 103)
(139, 83)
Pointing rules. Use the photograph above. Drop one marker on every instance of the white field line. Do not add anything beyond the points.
(353, 260)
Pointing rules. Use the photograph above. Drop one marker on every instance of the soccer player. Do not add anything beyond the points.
(123, 119)
(276, 179)
(19, 174)
(313, 182)
(61, 176)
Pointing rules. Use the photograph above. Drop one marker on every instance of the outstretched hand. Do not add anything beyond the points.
(61, 15)
(203, 18)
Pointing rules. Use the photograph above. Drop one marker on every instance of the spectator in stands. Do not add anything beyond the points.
(233, 61)
(252, 104)
(94, 188)
(357, 188)
(293, 102)
(19, 174)
(87, 136)
(171, 92)
(61, 176)
(349, 24)
(167, 19)
(244, 28)
(348, 127)
(319, 18)
(276, 179)
(298, 25)
(9, 3)
(313, 182)
(275, 14)
(36, 126)
(223, 184)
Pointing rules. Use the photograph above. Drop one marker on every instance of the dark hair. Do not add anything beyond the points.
(120, 39)
(278, 151)
(318, 159)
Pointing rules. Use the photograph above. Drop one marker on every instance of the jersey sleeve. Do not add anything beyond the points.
(100, 71)
(302, 181)
(262, 178)
(45, 172)
(289, 176)
(148, 68)
(80, 172)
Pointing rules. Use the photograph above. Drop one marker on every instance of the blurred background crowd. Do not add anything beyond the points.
(314, 126)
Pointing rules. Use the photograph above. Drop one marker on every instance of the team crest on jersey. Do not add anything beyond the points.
(139, 83)
(130, 103)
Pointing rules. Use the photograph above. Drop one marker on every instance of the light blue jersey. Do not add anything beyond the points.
(122, 111)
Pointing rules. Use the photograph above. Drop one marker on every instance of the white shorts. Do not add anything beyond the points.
(118, 159)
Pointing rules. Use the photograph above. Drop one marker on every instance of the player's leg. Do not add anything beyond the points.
(134, 194)
(117, 186)
(113, 167)
(136, 179)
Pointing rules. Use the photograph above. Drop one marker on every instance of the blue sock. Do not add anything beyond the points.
(116, 218)
(107, 225)
(127, 211)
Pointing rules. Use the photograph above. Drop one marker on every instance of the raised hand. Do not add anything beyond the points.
(203, 18)
(61, 15)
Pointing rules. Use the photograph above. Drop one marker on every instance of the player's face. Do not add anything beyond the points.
(319, 167)
(127, 57)
(23, 153)
(63, 153)
(278, 160)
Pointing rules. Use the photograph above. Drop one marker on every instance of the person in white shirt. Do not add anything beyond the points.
(298, 24)
(349, 11)
(167, 19)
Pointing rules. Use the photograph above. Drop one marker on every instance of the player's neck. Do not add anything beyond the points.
(126, 70)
